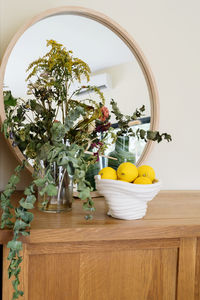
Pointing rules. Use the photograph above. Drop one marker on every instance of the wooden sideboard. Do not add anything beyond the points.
(155, 258)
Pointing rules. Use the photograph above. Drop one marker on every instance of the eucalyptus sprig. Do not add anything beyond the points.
(124, 128)
(21, 227)
(6, 205)
(19, 220)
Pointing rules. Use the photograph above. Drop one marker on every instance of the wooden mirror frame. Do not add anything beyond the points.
(120, 32)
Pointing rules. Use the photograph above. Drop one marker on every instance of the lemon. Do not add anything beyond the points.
(143, 180)
(127, 172)
(147, 171)
(108, 173)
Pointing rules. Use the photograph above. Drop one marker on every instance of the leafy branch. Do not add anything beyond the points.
(124, 128)
(6, 206)
(19, 220)
(123, 120)
(152, 135)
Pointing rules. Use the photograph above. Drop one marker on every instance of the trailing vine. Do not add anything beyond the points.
(6, 217)
(19, 220)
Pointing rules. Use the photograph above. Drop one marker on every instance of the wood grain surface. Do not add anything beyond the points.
(171, 215)
(187, 265)
(155, 258)
(55, 276)
(138, 274)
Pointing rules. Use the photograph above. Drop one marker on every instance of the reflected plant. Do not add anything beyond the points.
(73, 142)
(125, 130)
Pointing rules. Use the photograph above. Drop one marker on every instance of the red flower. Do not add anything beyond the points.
(103, 127)
(56, 121)
(105, 114)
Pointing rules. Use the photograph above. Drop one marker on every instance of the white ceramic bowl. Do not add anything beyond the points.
(125, 200)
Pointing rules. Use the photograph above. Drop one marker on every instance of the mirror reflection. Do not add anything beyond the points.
(114, 70)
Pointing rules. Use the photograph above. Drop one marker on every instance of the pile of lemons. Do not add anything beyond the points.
(130, 173)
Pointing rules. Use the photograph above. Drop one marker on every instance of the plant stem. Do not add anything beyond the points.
(66, 103)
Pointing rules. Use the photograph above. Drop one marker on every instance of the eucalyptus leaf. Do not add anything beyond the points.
(27, 191)
(151, 135)
(63, 159)
(85, 194)
(14, 179)
(26, 216)
(26, 205)
(54, 152)
(58, 132)
(51, 190)
(15, 245)
(40, 182)
(9, 192)
(72, 116)
(30, 199)
(44, 150)
(20, 225)
(142, 133)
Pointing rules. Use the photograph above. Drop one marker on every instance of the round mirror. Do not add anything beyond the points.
(118, 67)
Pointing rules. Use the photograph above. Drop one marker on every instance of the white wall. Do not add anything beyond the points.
(168, 33)
(73, 32)
(128, 88)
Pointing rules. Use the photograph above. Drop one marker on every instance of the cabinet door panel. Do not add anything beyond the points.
(127, 275)
(53, 276)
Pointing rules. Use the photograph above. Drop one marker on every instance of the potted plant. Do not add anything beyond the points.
(61, 135)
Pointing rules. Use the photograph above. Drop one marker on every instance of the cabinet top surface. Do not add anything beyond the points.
(171, 214)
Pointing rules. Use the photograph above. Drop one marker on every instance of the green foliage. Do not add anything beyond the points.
(60, 63)
(153, 136)
(21, 226)
(53, 75)
(49, 189)
(6, 206)
(19, 219)
(140, 133)
(123, 120)
(74, 115)
(9, 100)
(57, 132)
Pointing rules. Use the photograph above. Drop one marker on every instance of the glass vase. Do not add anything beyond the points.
(93, 170)
(121, 152)
(63, 200)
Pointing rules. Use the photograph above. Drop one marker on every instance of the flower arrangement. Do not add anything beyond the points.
(55, 127)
